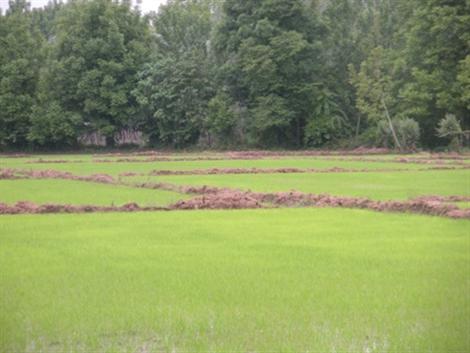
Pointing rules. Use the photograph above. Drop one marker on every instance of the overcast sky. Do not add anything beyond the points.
(147, 5)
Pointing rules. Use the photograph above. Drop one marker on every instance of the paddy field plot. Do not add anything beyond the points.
(252, 280)
(379, 185)
(56, 191)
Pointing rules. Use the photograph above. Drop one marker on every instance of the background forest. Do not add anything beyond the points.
(235, 74)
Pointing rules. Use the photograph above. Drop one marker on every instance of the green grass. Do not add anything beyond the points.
(296, 280)
(462, 204)
(380, 185)
(278, 280)
(114, 169)
(81, 193)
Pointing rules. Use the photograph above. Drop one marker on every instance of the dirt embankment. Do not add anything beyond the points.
(436, 206)
(360, 154)
(215, 198)
(54, 174)
(26, 207)
(214, 171)
(438, 161)
(224, 198)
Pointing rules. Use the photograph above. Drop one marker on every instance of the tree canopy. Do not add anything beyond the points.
(259, 73)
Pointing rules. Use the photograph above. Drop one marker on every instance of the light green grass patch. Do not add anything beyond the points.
(295, 280)
(462, 204)
(81, 193)
(380, 186)
(114, 169)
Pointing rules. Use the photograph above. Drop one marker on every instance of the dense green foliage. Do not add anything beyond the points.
(269, 52)
(20, 53)
(261, 73)
(175, 87)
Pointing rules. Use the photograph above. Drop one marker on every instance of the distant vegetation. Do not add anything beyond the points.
(225, 74)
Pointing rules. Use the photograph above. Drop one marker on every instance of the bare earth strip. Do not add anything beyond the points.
(212, 171)
(224, 198)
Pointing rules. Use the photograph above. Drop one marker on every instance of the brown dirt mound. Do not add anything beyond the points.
(449, 155)
(357, 151)
(449, 164)
(222, 200)
(238, 155)
(232, 199)
(25, 207)
(211, 171)
(134, 154)
(436, 198)
(459, 213)
(432, 161)
(54, 161)
(421, 206)
(133, 160)
(186, 189)
(431, 205)
(54, 174)
(131, 174)
(214, 171)
(8, 174)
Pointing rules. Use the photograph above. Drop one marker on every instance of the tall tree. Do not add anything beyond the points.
(435, 57)
(19, 68)
(270, 59)
(373, 84)
(176, 86)
(98, 49)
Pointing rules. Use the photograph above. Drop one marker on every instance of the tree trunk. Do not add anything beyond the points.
(298, 133)
(395, 138)
(358, 126)
(110, 141)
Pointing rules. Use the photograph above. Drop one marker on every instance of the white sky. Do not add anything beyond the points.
(147, 5)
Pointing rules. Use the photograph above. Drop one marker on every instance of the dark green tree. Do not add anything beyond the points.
(98, 49)
(176, 86)
(435, 57)
(270, 57)
(20, 59)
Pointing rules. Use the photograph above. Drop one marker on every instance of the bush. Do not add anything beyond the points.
(407, 131)
(449, 128)
(53, 127)
(324, 130)
(220, 121)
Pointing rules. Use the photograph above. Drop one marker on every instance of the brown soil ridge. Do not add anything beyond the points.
(224, 198)
(215, 171)
(438, 161)
(232, 199)
(404, 160)
(54, 174)
(216, 198)
(26, 207)
(237, 200)
(257, 153)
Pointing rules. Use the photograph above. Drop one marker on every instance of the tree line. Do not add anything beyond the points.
(232, 74)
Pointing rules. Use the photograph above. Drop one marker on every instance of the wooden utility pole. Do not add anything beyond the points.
(395, 138)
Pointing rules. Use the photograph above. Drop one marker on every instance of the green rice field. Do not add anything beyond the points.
(302, 279)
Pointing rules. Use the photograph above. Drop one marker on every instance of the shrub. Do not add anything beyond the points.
(324, 130)
(407, 131)
(449, 128)
(52, 126)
